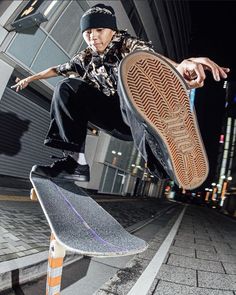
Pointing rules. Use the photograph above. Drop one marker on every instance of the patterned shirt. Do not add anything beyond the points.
(101, 71)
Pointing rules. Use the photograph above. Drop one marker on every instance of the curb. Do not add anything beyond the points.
(22, 270)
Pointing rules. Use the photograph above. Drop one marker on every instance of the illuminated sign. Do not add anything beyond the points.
(222, 138)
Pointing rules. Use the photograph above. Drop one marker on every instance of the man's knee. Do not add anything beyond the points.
(74, 84)
(62, 83)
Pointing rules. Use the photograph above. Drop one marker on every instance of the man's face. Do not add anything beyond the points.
(98, 39)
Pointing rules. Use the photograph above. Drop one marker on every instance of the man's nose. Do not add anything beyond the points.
(94, 34)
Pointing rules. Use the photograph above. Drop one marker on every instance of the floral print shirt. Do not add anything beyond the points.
(101, 71)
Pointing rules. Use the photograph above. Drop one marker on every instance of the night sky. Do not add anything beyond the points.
(213, 35)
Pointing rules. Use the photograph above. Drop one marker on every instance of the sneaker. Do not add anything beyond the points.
(64, 168)
(156, 163)
(158, 97)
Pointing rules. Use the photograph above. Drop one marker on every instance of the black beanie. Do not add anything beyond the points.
(98, 16)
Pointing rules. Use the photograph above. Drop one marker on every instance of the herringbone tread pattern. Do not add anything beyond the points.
(160, 97)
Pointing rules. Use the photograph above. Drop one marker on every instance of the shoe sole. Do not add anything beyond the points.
(159, 97)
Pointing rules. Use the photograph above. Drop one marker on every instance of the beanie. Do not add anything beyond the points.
(98, 16)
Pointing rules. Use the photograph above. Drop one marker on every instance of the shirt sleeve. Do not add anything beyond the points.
(65, 69)
(133, 44)
(74, 66)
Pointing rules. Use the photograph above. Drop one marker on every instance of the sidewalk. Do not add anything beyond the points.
(200, 261)
(25, 234)
(23, 228)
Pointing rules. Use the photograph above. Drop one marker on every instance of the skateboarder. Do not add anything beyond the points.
(88, 93)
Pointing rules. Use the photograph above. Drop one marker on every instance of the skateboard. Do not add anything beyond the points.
(78, 224)
(158, 96)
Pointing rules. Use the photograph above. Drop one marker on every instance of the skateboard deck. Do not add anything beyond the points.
(157, 94)
(81, 225)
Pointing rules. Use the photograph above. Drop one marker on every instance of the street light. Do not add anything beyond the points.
(214, 192)
(224, 188)
(207, 194)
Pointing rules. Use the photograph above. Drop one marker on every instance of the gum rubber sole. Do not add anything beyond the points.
(159, 97)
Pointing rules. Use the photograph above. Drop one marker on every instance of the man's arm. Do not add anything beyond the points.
(22, 83)
(193, 70)
(172, 62)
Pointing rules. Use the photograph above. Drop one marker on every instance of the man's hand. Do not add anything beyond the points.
(193, 71)
(21, 84)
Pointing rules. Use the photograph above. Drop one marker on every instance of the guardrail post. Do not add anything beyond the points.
(55, 267)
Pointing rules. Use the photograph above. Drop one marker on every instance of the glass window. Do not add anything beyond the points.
(112, 151)
(26, 45)
(67, 30)
(119, 182)
(103, 178)
(3, 6)
(53, 12)
(49, 55)
(124, 155)
(109, 179)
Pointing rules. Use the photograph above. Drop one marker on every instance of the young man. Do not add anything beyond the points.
(92, 95)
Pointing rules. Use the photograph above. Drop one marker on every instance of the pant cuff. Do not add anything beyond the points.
(62, 145)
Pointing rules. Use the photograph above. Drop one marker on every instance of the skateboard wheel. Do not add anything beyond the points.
(33, 195)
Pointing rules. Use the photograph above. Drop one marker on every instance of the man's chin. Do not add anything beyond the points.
(97, 49)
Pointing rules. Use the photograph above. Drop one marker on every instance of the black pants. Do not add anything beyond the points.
(74, 104)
